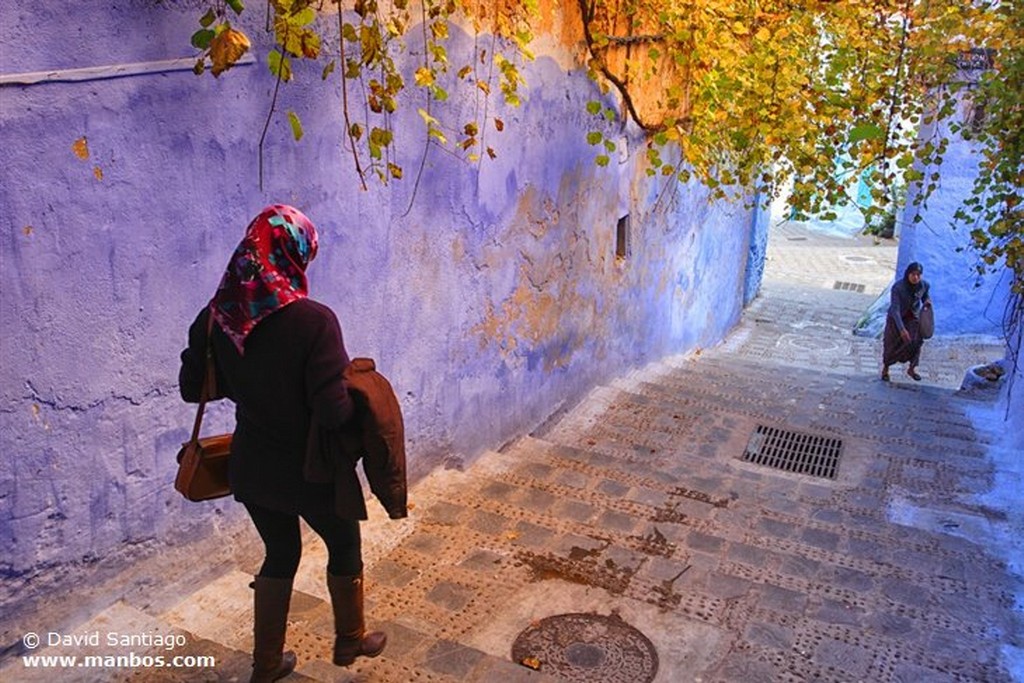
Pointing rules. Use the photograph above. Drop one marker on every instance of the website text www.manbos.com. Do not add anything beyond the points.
(157, 651)
(130, 660)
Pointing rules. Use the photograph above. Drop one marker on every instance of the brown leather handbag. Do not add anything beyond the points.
(203, 463)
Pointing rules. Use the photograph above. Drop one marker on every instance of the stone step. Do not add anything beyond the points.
(864, 407)
(681, 496)
(861, 407)
(221, 612)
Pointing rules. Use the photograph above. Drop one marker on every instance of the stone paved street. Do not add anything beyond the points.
(637, 509)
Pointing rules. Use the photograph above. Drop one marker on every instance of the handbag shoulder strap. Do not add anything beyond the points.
(209, 378)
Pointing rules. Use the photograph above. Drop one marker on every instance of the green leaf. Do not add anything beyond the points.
(201, 38)
(279, 66)
(328, 70)
(593, 107)
(381, 137)
(594, 137)
(866, 131)
(303, 18)
(296, 125)
(236, 5)
(208, 18)
(602, 160)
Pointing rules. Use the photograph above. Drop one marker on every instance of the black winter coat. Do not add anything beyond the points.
(291, 374)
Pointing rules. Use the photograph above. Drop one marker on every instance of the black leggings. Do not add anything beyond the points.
(283, 540)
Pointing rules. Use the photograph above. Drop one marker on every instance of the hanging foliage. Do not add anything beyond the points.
(747, 97)
(822, 94)
(367, 36)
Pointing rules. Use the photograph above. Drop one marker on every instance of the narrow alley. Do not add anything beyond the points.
(648, 533)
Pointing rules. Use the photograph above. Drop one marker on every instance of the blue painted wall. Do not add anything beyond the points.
(964, 302)
(1012, 397)
(756, 258)
(496, 299)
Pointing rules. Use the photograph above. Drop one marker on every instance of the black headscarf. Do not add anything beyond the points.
(913, 295)
(914, 267)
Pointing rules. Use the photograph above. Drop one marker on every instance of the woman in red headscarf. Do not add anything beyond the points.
(279, 356)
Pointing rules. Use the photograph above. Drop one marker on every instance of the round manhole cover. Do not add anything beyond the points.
(853, 258)
(806, 343)
(588, 647)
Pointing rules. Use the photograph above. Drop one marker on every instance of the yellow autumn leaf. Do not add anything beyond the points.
(226, 49)
(81, 148)
(424, 77)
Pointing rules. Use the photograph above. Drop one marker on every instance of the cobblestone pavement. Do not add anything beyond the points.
(632, 540)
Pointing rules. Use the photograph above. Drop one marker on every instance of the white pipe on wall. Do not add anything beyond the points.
(96, 73)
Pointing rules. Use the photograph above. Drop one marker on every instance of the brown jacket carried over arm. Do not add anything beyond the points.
(376, 434)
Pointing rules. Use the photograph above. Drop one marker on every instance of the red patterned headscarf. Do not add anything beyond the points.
(267, 271)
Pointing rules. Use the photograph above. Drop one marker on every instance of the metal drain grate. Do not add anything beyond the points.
(849, 287)
(817, 456)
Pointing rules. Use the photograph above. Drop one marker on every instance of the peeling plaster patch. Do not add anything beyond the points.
(558, 302)
(537, 317)
(494, 328)
(81, 148)
(36, 415)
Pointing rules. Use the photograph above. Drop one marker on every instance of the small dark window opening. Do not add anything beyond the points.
(622, 238)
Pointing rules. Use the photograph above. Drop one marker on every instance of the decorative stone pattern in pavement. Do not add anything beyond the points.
(812, 581)
(808, 587)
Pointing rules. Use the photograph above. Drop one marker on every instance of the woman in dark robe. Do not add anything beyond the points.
(902, 340)
(279, 355)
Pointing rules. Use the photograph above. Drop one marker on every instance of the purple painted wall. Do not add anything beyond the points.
(497, 299)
